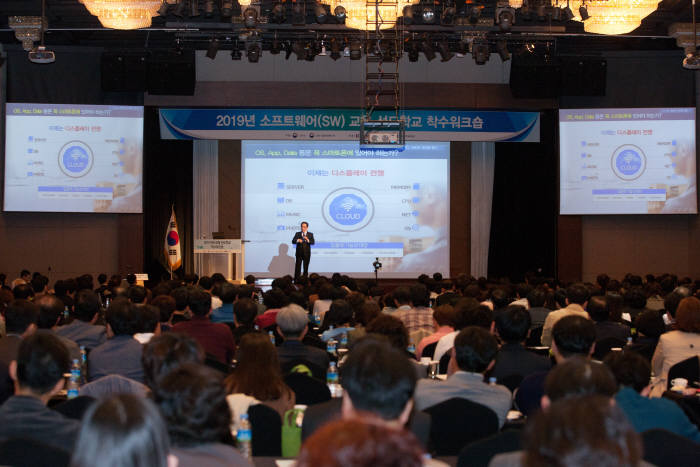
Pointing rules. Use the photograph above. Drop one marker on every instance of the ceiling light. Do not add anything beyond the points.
(278, 13)
(502, 49)
(474, 14)
(213, 48)
(583, 11)
(444, 49)
(448, 15)
(163, 10)
(298, 14)
(27, 29)
(428, 15)
(566, 13)
(123, 14)
(505, 17)
(227, 8)
(253, 51)
(340, 14)
(481, 53)
(250, 17)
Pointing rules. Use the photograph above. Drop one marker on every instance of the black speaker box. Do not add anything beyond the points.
(535, 77)
(584, 76)
(124, 70)
(172, 72)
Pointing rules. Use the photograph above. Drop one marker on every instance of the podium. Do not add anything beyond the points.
(228, 247)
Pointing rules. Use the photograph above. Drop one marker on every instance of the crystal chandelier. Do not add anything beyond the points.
(615, 16)
(123, 14)
(362, 16)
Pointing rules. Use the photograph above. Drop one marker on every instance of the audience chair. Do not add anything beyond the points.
(266, 429)
(665, 449)
(479, 453)
(74, 408)
(535, 337)
(444, 361)
(457, 422)
(25, 452)
(688, 369)
(429, 350)
(605, 346)
(316, 371)
(308, 390)
(511, 381)
(107, 386)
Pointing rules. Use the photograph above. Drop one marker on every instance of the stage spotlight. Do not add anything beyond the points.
(481, 53)
(505, 17)
(502, 49)
(275, 47)
(566, 13)
(227, 8)
(408, 15)
(340, 14)
(323, 51)
(321, 14)
(355, 50)
(236, 53)
(298, 49)
(444, 49)
(253, 51)
(213, 48)
(208, 8)
(583, 11)
(428, 15)
(413, 51)
(335, 48)
(298, 14)
(163, 10)
(540, 11)
(474, 14)
(250, 17)
(428, 50)
(179, 10)
(448, 16)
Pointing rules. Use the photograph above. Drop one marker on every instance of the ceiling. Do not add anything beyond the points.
(71, 24)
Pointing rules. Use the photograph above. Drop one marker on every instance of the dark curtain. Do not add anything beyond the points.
(167, 173)
(524, 210)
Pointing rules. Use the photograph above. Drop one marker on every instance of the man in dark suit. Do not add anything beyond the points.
(303, 241)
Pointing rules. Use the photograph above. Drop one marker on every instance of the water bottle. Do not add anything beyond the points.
(317, 318)
(83, 364)
(272, 337)
(629, 340)
(331, 346)
(344, 340)
(332, 374)
(244, 437)
(411, 348)
(492, 381)
(74, 380)
(66, 313)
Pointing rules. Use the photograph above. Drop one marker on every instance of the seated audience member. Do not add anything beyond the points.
(166, 306)
(192, 400)
(538, 313)
(650, 326)
(571, 336)
(393, 329)
(473, 354)
(363, 316)
(60, 289)
(635, 301)
(215, 338)
(604, 327)
(671, 302)
(148, 323)
(83, 330)
(124, 431)
(24, 278)
(576, 301)
(358, 443)
(522, 290)
(443, 324)
(468, 312)
(676, 346)
(20, 321)
(325, 298)
(293, 324)
(274, 299)
(448, 295)
(400, 300)
(38, 375)
(165, 353)
(40, 285)
(50, 310)
(137, 294)
(633, 373)
(418, 319)
(581, 431)
(207, 284)
(512, 326)
(121, 353)
(182, 312)
(224, 313)
(378, 385)
(339, 317)
(258, 375)
(244, 315)
(23, 292)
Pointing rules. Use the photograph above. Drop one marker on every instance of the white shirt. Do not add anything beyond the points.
(445, 343)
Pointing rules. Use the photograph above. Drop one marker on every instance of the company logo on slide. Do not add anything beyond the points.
(628, 162)
(75, 159)
(348, 209)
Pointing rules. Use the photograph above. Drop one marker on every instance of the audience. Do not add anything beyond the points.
(224, 313)
(538, 313)
(20, 321)
(443, 324)
(293, 324)
(244, 315)
(124, 431)
(576, 301)
(167, 352)
(83, 330)
(605, 327)
(50, 311)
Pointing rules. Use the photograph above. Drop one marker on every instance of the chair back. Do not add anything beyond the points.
(308, 390)
(688, 369)
(429, 350)
(664, 448)
(266, 430)
(534, 338)
(604, 346)
(457, 422)
(511, 381)
(444, 362)
(26, 452)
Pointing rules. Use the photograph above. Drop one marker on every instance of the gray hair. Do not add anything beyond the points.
(292, 319)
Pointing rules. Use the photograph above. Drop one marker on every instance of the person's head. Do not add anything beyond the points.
(444, 315)
(206, 282)
(536, 298)
(402, 296)
(192, 400)
(50, 309)
(339, 314)
(379, 379)
(500, 298)
(275, 298)
(602, 280)
(688, 315)
(513, 324)
(164, 353)
(522, 289)
(583, 431)
(578, 376)
(123, 431)
(420, 296)
(165, 305)
(390, 327)
(598, 308)
(630, 369)
(228, 293)
(121, 317)
(573, 335)
(39, 284)
(304, 226)
(199, 301)
(635, 298)
(468, 312)
(474, 350)
(87, 305)
(367, 312)
(357, 443)
(136, 294)
(131, 279)
(577, 293)
(181, 296)
(148, 317)
(258, 371)
(42, 359)
(245, 312)
(23, 292)
(292, 321)
(21, 317)
(84, 282)
(102, 278)
(649, 323)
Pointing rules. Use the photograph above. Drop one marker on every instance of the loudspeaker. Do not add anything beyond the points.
(124, 70)
(172, 72)
(535, 77)
(584, 76)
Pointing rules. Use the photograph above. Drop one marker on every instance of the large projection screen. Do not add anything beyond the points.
(360, 204)
(627, 161)
(73, 158)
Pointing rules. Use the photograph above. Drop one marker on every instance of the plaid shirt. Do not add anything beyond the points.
(418, 321)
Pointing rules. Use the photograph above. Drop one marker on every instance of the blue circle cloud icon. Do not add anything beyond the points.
(75, 159)
(348, 209)
(628, 162)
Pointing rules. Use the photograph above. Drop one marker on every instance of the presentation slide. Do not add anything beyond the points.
(627, 161)
(360, 204)
(73, 158)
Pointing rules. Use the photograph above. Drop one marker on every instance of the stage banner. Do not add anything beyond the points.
(344, 124)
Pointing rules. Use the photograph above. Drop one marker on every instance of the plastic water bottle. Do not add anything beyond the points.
(83, 364)
(244, 437)
(272, 337)
(332, 374)
(492, 381)
(411, 348)
(332, 346)
(629, 340)
(344, 340)
(317, 318)
(74, 380)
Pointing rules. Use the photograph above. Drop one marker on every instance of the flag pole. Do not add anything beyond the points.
(172, 210)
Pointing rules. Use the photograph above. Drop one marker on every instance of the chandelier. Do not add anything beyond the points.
(616, 16)
(123, 14)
